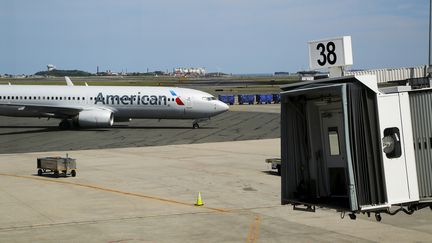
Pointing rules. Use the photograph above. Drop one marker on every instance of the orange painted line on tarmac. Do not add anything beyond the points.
(253, 234)
(114, 191)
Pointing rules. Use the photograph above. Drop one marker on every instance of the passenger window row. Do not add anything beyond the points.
(54, 98)
(41, 98)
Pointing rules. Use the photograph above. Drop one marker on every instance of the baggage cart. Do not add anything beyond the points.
(227, 99)
(56, 165)
(246, 99)
(275, 164)
(264, 98)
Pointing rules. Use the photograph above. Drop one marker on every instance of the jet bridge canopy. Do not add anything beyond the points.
(329, 140)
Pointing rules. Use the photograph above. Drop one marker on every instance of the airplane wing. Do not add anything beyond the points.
(45, 110)
(68, 81)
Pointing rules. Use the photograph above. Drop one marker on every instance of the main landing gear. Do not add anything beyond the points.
(65, 124)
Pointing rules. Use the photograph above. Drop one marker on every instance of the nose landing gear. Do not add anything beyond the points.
(195, 125)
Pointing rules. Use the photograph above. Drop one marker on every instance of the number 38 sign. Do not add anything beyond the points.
(335, 52)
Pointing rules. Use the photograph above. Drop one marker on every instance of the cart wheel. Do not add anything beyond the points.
(56, 173)
(73, 173)
(39, 172)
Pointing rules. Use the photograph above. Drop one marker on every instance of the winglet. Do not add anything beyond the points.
(85, 83)
(10, 83)
(68, 81)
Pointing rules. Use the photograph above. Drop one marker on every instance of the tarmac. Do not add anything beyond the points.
(18, 135)
(147, 193)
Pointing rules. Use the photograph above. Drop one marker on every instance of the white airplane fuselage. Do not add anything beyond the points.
(102, 105)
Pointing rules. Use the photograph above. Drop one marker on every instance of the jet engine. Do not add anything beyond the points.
(95, 118)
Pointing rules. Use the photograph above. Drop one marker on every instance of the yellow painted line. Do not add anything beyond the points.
(114, 191)
(253, 234)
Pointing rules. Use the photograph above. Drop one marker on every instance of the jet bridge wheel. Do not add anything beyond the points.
(195, 125)
(378, 217)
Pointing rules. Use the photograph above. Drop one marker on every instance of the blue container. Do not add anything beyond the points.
(246, 99)
(264, 98)
(276, 98)
(227, 99)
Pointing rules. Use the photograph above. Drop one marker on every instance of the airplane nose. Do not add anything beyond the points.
(225, 107)
(222, 107)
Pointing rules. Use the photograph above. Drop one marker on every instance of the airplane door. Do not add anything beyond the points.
(188, 106)
(189, 103)
(333, 141)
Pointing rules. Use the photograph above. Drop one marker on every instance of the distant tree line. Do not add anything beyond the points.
(62, 73)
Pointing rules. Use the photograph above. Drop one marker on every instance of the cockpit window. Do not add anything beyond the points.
(209, 98)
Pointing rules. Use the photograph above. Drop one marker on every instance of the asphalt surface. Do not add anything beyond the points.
(130, 189)
(147, 194)
(21, 135)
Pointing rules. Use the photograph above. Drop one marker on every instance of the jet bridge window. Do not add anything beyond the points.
(391, 143)
(333, 137)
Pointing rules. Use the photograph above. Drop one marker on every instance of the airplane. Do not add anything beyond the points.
(101, 106)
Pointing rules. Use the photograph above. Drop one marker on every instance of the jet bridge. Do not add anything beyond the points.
(349, 146)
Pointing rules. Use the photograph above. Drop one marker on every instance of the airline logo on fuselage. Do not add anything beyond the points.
(131, 99)
(177, 100)
(135, 99)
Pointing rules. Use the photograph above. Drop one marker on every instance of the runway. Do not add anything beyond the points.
(21, 135)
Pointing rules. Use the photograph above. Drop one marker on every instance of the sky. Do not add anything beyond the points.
(231, 36)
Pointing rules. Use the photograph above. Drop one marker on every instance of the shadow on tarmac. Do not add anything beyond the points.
(44, 129)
